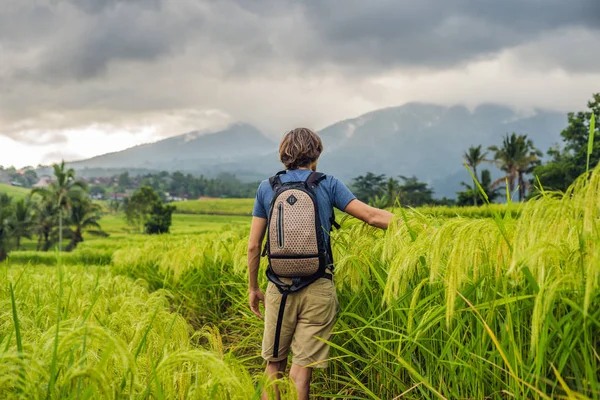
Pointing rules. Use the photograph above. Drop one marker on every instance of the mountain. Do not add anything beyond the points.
(419, 139)
(428, 140)
(190, 152)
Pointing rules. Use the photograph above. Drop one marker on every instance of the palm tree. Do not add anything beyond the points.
(526, 164)
(45, 223)
(473, 157)
(62, 192)
(22, 221)
(516, 157)
(486, 184)
(84, 215)
(392, 187)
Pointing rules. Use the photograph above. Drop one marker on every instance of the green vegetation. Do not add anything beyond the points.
(482, 191)
(68, 198)
(14, 191)
(473, 157)
(382, 191)
(448, 303)
(82, 333)
(487, 301)
(461, 308)
(62, 210)
(486, 211)
(216, 206)
(579, 149)
(85, 216)
(25, 177)
(174, 186)
(516, 157)
(146, 212)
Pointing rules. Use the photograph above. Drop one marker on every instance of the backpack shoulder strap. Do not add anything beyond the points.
(275, 181)
(334, 223)
(314, 178)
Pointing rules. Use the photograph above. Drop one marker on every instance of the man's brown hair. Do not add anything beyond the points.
(299, 148)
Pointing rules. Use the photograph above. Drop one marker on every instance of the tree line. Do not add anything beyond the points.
(25, 177)
(518, 158)
(178, 184)
(61, 212)
(383, 191)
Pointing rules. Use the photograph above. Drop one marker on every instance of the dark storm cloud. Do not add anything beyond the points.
(83, 37)
(79, 39)
(109, 61)
(438, 34)
(95, 6)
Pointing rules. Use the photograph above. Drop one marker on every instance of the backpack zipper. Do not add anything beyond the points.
(280, 225)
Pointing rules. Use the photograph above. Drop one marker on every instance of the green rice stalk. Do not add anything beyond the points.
(590, 148)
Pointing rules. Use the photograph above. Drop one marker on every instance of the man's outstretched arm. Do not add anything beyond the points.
(371, 215)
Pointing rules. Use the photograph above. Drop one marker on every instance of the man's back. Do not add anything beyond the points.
(330, 193)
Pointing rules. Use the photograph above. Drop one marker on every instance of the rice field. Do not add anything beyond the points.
(485, 211)
(83, 333)
(243, 207)
(14, 191)
(216, 206)
(441, 306)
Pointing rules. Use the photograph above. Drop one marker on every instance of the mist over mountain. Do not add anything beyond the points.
(193, 152)
(429, 140)
(419, 139)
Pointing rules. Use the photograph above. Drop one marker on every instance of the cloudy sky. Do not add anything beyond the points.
(85, 77)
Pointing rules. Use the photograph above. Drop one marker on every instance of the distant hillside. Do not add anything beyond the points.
(191, 152)
(414, 139)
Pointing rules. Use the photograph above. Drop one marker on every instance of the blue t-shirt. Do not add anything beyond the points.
(330, 192)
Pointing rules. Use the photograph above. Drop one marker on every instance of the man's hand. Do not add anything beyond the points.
(256, 296)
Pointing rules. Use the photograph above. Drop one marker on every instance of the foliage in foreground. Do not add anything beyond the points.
(435, 307)
(82, 333)
(432, 308)
(578, 152)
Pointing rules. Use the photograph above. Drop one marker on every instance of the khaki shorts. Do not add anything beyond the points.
(309, 315)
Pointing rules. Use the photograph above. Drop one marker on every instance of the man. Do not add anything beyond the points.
(310, 312)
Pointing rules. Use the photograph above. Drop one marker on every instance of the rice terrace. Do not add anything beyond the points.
(440, 307)
(249, 200)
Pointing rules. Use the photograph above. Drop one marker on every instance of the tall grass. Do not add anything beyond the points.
(105, 337)
(436, 307)
(445, 304)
